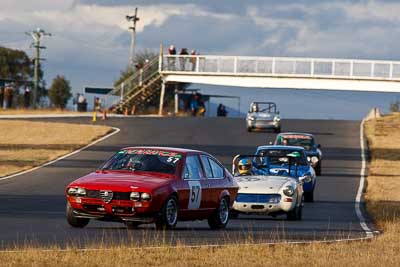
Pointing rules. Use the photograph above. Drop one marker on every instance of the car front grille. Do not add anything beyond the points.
(116, 195)
(258, 198)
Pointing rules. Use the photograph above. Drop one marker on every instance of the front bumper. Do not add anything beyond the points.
(263, 208)
(263, 124)
(116, 210)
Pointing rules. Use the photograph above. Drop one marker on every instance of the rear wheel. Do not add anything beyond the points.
(309, 196)
(169, 214)
(220, 217)
(73, 220)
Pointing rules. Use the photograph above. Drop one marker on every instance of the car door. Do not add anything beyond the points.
(196, 185)
(215, 178)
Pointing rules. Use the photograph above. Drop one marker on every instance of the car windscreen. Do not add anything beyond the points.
(305, 141)
(145, 160)
(280, 157)
(263, 107)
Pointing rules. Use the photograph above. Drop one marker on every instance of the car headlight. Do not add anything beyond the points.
(137, 196)
(314, 159)
(76, 191)
(145, 196)
(289, 190)
(277, 119)
(252, 118)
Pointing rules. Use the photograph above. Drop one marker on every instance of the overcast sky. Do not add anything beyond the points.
(90, 42)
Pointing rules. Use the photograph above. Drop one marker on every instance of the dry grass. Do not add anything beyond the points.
(382, 199)
(37, 111)
(25, 144)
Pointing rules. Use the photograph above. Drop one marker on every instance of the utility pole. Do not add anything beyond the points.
(37, 35)
(134, 19)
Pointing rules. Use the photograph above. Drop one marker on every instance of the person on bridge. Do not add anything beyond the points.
(193, 59)
(171, 58)
(183, 60)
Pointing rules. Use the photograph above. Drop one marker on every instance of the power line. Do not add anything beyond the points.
(37, 35)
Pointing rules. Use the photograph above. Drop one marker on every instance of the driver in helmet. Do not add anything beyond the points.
(245, 167)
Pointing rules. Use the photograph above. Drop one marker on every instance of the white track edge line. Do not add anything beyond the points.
(115, 131)
(361, 218)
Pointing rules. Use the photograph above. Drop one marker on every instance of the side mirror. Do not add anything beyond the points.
(306, 178)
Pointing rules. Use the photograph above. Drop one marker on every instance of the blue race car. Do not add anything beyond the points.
(273, 160)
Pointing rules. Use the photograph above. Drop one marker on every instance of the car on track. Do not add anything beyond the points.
(300, 169)
(307, 141)
(139, 185)
(272, 193)
(263, 116)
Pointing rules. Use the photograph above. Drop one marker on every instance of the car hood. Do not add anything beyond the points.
(261, 184)
(117, 181)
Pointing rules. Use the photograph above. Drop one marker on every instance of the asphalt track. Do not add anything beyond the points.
(32, 205)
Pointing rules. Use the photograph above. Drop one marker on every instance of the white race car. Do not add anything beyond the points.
(270, 194)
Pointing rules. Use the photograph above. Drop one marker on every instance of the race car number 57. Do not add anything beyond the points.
(194, 195)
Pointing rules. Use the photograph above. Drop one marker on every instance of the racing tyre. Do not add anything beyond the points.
(131, 225)
(309, 196)
(169, 214)
(295, 214)
(277, 130)
(220, 217)
(318, 169)
(73, 220)
(249, 129)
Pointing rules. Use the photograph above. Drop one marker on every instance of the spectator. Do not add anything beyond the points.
(171, 58)
(1, 96)
(97, 104)
(221, 111)
(82, 104)
(9, 95)
(193, 59)
(194, 104)
(182, 60)
(27, 97)
(202, 108)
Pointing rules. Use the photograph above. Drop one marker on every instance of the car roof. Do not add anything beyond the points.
(296, 133)
(171, 149)
(260, 102)
(280, 147)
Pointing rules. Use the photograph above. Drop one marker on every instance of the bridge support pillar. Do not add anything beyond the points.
(176, 98)
(161, 107)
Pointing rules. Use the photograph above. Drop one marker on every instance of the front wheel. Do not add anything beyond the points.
(277, 130)
(295, 214)
(318, 168)
(169, 214)
(73, 220)
(309, 196)
(249, 129)
(220, 217)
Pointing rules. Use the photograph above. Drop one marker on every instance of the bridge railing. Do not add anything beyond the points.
(282, 66)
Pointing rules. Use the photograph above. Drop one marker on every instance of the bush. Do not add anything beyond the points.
(60, 92)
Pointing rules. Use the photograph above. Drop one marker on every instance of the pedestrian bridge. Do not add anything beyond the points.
(283, 72)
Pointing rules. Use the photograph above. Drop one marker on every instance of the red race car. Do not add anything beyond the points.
(153, 185)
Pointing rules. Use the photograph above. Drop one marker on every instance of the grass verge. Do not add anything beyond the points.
(382, 202)
(26, 144)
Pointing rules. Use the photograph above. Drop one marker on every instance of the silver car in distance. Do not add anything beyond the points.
(263, 116)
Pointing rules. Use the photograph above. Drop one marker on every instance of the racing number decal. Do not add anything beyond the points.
(194, 195)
